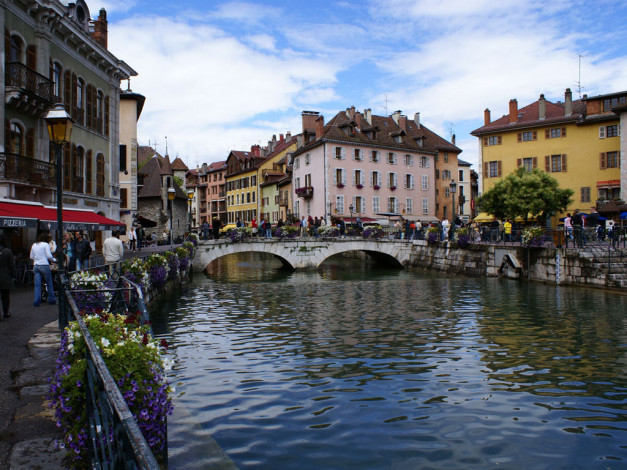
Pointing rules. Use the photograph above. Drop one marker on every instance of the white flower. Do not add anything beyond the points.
(167, 364)
(105, 342)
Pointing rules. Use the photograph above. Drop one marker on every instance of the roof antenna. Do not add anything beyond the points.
(128, 86)
(386, 104)
(579, 81)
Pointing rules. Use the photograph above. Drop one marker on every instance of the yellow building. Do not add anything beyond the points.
(241, 184)
(577, 142)
(271, 178)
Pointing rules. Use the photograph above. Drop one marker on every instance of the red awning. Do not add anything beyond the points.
(21, 215)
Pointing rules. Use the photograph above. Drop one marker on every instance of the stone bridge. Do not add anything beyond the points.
(305, 253)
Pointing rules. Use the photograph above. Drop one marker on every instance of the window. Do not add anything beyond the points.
(339, 177)
(609, 131)
(357, 155)
(445, 157)
(122, 157)
(88, 173)
(555, 133)
(17, 139)
(424, 162)
(392, 204)
(375, 178)
(425, 182)
(307, 159)
(100, 175)
(123, 198)
(374, 156)
(610, 160)
(446, 174)
(358, 177)
(409, 181)
(391, 158)
(77, 169)
(359, 205)
(308, 180)
(297, 163)
(492, 169)
(461, 175)
(339, 203)
(339, 153)
(425, 205)
(16, 49)
(297, 183)
(57, 76)
(494, 140)
(527, 136)
(555, 163)
(375, 204)
(409, 160)
(409, 203)
(610, 103)
(392, 180)
(528, 163)
(585, 194)
(237, 199)
(447, 192)
(437, 174)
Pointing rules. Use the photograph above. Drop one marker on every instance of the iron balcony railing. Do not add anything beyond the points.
(28, 170)
(108, 412)
(20, 76)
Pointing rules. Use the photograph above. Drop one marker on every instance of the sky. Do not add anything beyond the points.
(225, 75)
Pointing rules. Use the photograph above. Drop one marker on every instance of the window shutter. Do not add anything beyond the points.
(334, 177)
(74, 96)
(602, 132)
(371, 179)
(380, 179)
(88, 115)
(499, 170)
(67, 95)
(499, 140)
(343, 154)
(88, 173)
(519, 162)
(485, 141)
(547, 134)
(30, 143)
(354, 177)
(413, 181)
(106, 116)
(31, 57)
(344, 177)
(520, 137)
(563, 162)
(363, 205)
(535, 135)
(547, 163)
(7, 45)
(485, 170)
(563, 132)
(535, 162)
(603, 161)
(7, 136)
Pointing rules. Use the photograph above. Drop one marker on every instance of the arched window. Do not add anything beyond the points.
(88, 173)
(57, 79)
(17, 49)
(100, 175)
(77, 169)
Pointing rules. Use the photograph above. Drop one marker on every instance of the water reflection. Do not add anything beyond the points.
(355, 368)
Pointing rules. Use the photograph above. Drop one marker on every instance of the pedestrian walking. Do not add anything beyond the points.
(69, 249)
(7, 273)
(83, 251)
(42, 258)
(132, 239)
(141, 235)
(113, 251)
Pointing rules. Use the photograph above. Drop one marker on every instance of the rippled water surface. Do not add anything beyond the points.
(358, 368)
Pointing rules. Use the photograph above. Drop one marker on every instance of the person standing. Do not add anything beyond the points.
(141, 234)
(577, 222)
(303, 226)
(132, 239)
(253, 226)
(113, 251)
(69, 249)
(83, 251)
(42, 257)
(7, 272)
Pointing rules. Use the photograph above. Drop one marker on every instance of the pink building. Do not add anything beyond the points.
(370, 164)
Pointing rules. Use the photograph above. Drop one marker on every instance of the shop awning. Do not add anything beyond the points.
(16, 214)
(483, 217)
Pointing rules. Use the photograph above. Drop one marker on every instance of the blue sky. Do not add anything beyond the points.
(223, 75)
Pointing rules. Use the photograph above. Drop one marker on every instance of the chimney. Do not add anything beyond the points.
(288, 136)
(453, 139)
(255, 150)
(396, 115)
(358, 119)
(100, 29)
(319, 126)
(368, 115)
(568, 102)
(513, 111)
(402, 122)
(417, 120)
(486, 117)
(542, 108)
(281, 138)
(350, 112)
(309, 120)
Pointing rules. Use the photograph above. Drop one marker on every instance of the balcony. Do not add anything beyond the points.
(283, 201)
(27, 91)
(305, 192)
(27, 170)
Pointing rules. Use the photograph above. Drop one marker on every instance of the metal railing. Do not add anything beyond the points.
(29, 170)
(115, 439)
(20, 76)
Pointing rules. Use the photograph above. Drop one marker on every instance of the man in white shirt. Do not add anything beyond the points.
(113, 251)
(42, 257)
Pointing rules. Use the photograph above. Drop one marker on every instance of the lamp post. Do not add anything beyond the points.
(171, 196)
(190, 198)
(350, 208)
(59, 126)
(453, 187)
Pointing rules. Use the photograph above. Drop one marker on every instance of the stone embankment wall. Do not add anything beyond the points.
(552, 265)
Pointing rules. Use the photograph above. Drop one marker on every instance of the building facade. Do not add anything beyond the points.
(55, 53)
(363, 165)
(242, 185)
(577, 142)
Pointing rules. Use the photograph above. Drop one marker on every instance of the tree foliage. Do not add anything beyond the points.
(525, 194)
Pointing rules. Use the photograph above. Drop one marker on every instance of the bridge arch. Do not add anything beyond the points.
(304, 253)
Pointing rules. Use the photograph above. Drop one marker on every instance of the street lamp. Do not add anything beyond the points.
(171, 196)
(350, 208)
(190, 197)
(453, 187)
(59, 126)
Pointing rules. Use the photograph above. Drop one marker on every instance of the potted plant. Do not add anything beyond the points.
(376, 187)
(340, 185)
(359, 186)
(392, 188)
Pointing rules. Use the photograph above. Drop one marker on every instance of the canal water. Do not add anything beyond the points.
(355, 367)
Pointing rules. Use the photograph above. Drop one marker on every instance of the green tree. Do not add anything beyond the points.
(525, 194)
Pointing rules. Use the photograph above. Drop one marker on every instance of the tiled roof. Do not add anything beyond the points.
(179, 165)
(461, 162)
(152, 172)
(217, 166)
(529, 116)
(145, 153)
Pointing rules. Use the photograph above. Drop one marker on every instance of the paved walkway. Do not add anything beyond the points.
(29, 342)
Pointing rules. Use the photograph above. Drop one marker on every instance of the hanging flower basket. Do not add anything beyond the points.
(392, 188)
(340, 185)
(376, 187)
(359, 186)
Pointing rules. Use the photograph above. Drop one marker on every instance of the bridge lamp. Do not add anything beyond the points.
(351, 208)
(453, 187)
(190, 198)
(59, 126)
(171, 196)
